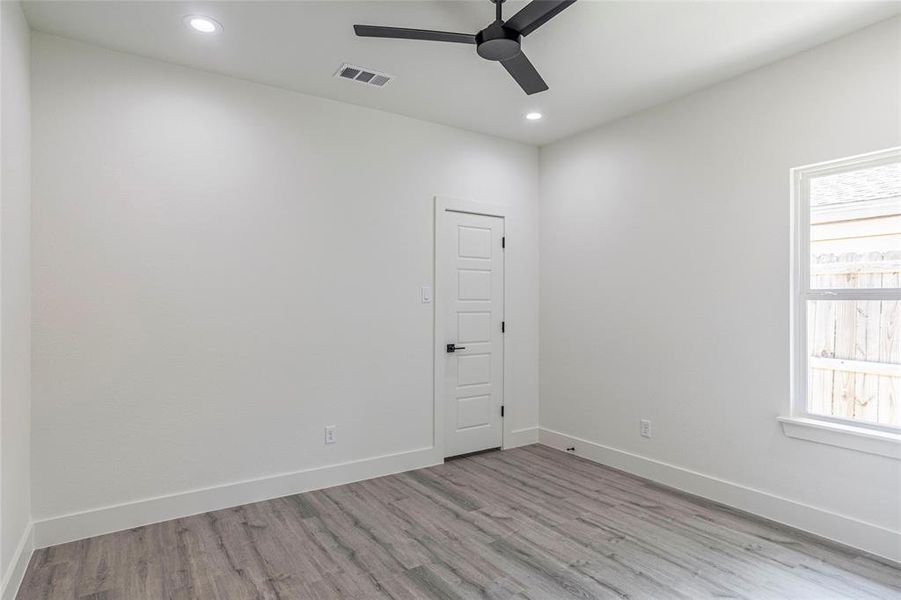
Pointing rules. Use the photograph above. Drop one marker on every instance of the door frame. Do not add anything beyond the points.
(444, 204)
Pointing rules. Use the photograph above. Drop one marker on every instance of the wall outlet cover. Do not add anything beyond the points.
(645, 428)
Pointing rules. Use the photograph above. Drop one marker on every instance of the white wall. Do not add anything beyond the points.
(15, 291)
(664, 281)
(223, 268)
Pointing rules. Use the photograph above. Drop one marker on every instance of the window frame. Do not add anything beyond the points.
(801, 292)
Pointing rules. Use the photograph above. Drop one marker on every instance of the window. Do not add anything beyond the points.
(847, 292)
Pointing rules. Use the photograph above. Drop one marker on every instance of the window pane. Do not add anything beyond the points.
(855, 229)
(854, 349)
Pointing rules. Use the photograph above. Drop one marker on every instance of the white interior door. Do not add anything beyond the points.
(471, 301)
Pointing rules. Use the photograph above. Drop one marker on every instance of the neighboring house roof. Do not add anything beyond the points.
(873, 183)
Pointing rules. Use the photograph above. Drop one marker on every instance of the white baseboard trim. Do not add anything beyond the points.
(521, 437)
(76, 526)
(12, 579)
(865, 536)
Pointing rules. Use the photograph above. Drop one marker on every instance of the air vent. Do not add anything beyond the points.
(362, 75)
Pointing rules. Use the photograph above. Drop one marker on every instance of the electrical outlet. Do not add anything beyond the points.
(645, 428)
(330, 435)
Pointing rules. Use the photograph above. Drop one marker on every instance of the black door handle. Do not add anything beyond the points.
(454, 348)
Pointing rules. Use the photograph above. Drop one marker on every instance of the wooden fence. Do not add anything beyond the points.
(855, 346)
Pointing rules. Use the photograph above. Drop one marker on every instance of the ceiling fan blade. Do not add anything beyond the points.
(535, 14)
(413, 34)
(525, 74)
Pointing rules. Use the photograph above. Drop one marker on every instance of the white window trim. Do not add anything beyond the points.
(846, 433)
(862, 439)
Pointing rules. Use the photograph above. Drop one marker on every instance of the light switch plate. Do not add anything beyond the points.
(425, 293)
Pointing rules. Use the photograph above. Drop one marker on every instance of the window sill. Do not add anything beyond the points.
(862, 439)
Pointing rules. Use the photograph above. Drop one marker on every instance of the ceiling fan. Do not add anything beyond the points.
(500, 41)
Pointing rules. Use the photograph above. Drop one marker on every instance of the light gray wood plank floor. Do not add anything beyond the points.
(526, 523)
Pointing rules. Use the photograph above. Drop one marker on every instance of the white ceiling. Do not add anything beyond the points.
(601, 60)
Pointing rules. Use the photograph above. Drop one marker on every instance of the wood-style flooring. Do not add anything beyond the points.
(526, 523)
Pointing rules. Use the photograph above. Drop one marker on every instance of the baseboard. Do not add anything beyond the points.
(12, 579)
(521, 437)
(859, 534)
(71, 527)
(849, 531)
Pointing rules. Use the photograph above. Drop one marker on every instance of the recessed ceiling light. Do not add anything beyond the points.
(202, 24)
(533, 116)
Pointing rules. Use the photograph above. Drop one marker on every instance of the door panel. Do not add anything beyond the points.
(473, 412)
(473, 369)
(473, 327)
(471, 299)
(474, 284)
(475, 242)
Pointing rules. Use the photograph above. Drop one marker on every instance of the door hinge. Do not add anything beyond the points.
(502, 411)
(503, 241)
(503, 326)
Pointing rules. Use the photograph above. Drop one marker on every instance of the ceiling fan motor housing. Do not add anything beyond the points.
(499, 42)
(496, 42)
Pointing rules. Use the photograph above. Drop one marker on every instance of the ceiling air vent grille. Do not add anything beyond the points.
(363, 75)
